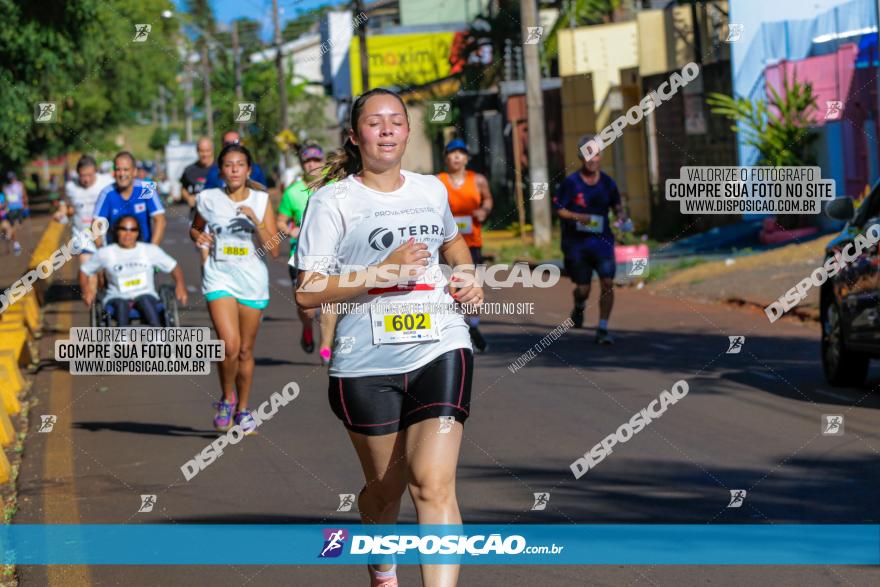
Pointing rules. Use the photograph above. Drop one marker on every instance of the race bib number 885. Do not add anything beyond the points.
(231, 253)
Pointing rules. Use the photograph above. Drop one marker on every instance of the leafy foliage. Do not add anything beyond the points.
(304, 22)
(779, 128)
(80, 55)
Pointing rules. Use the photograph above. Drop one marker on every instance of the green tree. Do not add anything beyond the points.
(304, 21)
(260, 85)
(202, 15)
(82, 56)
(779, 128)
(248, 36)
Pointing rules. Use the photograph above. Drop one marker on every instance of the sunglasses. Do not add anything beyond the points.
(128, 229)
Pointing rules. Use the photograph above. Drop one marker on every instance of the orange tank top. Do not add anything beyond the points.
(463, 200)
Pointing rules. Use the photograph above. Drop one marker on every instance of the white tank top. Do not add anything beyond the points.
(233, 265)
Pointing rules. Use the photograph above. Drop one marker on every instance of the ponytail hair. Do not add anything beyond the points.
(347, 160)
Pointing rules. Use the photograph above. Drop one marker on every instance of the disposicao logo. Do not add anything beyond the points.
(334, 542)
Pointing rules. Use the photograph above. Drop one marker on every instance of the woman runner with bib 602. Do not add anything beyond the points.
(402, 367)
(235, 280)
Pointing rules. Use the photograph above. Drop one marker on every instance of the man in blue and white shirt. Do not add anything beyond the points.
(130, 197)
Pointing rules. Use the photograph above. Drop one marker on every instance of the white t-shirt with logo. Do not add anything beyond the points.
(348, 224)
(233, 264)
(130, 272)
(83, 199)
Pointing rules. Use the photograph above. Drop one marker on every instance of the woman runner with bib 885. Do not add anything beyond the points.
(402, 368)
(235, 280)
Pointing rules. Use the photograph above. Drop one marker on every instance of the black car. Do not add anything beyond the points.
(849, 300)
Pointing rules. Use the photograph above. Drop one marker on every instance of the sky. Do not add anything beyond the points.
(261, 10)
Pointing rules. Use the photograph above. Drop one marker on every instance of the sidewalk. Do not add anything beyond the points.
(28, 234)
(755, 280)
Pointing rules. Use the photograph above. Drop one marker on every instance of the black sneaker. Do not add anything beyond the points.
(477, 339)
(602, 337)
(308, 347)
(577, 316)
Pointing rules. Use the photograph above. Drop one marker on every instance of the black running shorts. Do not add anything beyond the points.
(384, 404)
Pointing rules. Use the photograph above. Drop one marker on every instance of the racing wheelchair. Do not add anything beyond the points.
(168, 306)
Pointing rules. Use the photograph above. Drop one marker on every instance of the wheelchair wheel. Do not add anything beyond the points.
(171, 313)
(98, 315)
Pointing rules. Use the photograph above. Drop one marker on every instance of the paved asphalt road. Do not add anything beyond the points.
(751, 421)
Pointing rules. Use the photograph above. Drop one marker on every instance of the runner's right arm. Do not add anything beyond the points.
(102, 210)
(405, 263)
(316, 257)
(197, 232)
(563, 200)
(285, 218)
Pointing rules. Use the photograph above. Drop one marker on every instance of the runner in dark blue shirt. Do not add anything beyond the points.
(585, 197)
(129, 197)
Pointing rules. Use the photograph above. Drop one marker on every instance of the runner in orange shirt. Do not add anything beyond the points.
(471, 203)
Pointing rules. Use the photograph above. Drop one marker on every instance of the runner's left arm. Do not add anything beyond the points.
(456, 253)
(486, 201)
(267, 238)
(617, 205)
(157, 216)
(159, 223)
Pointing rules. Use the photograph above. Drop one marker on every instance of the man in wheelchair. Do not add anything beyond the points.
(130, 267)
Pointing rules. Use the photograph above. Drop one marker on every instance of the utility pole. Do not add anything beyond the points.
(282, 77)
(163, 108)
(188, 99)
(206, 79)
(236, 58)
(537, 141)
(362, 43)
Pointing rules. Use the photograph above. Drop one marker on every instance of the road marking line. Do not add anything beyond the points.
(59, 495)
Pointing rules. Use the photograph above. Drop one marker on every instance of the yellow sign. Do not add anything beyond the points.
(402, 60)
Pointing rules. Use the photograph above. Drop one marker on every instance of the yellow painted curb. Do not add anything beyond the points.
(19, 315)
(13, 337)
(7, 432)
(48, 244)
(5, 468)
(11, 382)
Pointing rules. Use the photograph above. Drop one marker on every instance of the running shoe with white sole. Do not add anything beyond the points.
(247, 423)
(223, 417)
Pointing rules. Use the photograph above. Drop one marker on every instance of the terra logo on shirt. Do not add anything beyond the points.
(381, 238)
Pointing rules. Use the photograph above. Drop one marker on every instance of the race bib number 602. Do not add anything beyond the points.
(402, 324)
